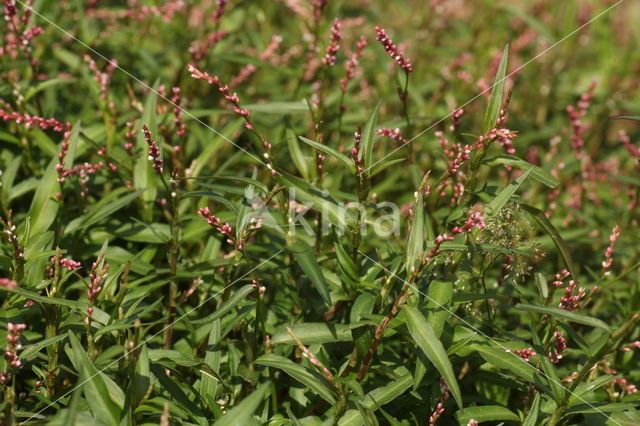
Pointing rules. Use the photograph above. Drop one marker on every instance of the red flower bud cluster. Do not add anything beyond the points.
(334, 44)
(392, 50)
(97, 276)
(220, 10)
(392, 133)
(559, 278)
(14, 331)
(570, 301)
(181, 128)
(154, 150)
(224, 228)
(18, 35)
(199, 49)
(352, 63)
(8, 283)
(608, 253)
(526, 353)
(475, 220)
(35, 121)
(248, 70)
(555, 355)
(576, 114)
(355, 151)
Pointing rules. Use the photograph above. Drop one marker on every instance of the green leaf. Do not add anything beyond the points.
(319, 200)
(296, 154)
(426, 339)
(601, 407)
(328, 150)
(44, 206)
(314, 381)
(176, 391)
(505, 195)
(486, 413)
(368, 134)
(31, 351)
(377, 398)
(633, 117)
(208, 386)
(501, 359)
(310, 333)
(235, 300)
(94, 386)
(532, 417)
(104, 208)
(565, 315)
(495, 101)
(536, 172)
(415, 242)
(46, 84)
(242, 413)
(307, 260)
(142, 377)
(544, 223)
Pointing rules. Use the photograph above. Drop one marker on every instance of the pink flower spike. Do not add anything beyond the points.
(334, 44)
(392, 50)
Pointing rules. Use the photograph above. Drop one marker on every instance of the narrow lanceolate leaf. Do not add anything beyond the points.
(368, 134)
(486, 413)
(377, 398)
(502, 359)
(536, 172)
(505, 195)
(560, 244)
(142, 378)
(307, 261)
(532, 417)
(328, 150)
(565, 315)
(415, 242)
(296, 154)
(318, 332)
(44, 206)
(95, 389)
(425, 338)
(311, 379)
(241, 414)
(495, 101)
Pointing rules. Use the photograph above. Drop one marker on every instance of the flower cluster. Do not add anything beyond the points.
(352, 63)
(8, 283)
(99, 271)
(35, 121)
(181, 128)
(12, 237)
(248, 70)
(355, 151)
(224, 228)
(102, 78)
(312, 358)
(475, 220)
(19, 35)
(558, 279)
(237, 108)
(439, 410)
(14, 332)
(130, 137)
(392, 50)
(608, 253)
(570, 301)
(393, 134)
(555, 355)
(154, 150)
(199, 49)
(64, 150)
(318, 7)
(437, 243)
(626, 141)
(575, 114)
(629, 346)
(525, 354)
(334, 44)
(220, 10)
(66, 263)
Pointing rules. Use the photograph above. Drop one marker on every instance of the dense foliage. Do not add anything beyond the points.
(319, 212)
